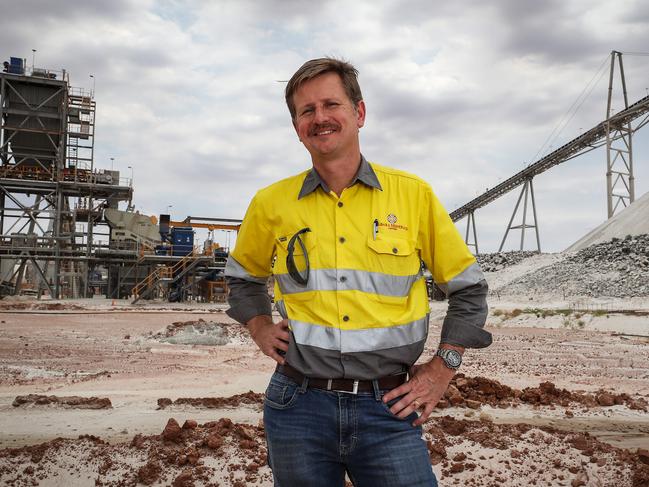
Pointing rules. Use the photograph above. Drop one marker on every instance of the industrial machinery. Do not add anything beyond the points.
(51, 196)
(62, 233)
(185, 272)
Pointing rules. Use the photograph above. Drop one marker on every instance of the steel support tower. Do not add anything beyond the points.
(51, 196)
(527, 195)
(620, 190)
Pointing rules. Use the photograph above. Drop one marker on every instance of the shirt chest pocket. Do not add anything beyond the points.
(393, 255)
(295, 248)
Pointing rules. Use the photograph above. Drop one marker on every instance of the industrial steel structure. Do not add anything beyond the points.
(51, 195)
(615, 132)
(61, 230)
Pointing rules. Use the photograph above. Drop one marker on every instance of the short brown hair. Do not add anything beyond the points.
(317, 67)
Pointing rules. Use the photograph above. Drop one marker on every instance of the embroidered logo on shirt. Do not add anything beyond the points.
(392, 223)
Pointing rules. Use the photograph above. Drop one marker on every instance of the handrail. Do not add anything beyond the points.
(162, 272)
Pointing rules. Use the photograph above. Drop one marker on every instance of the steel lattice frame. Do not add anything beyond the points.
(46, 165)
(620, 184)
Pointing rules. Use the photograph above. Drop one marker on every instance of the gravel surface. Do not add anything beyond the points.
(500, 260)
(617, 268)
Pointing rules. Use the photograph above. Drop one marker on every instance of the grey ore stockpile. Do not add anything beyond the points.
(618, 268)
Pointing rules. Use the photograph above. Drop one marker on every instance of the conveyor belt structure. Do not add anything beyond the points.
(589, 140)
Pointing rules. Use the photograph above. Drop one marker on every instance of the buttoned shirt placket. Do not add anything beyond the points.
(342, 244)
(312, 182)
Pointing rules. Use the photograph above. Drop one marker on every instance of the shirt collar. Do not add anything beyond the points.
(365, 175)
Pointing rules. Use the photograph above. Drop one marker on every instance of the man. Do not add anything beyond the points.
(345, 241)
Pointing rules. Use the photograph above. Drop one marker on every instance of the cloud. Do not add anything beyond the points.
(190, 93)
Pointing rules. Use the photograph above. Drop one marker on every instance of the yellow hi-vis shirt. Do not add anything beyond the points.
(364, 311)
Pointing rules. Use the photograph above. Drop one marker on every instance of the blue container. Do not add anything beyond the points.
(182, 240)
(16, 65)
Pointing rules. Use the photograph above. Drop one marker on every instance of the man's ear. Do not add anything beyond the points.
(360, 114)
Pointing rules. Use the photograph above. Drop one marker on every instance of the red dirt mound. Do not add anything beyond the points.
(473, 392)
(65, 401)
(472, 453)
(247, 398)
(495, 453)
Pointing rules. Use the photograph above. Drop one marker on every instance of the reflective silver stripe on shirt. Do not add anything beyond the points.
(366, 340)
(234, 269)
(468, 277)
(349, 279)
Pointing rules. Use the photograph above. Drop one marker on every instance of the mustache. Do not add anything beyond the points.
(323, 126)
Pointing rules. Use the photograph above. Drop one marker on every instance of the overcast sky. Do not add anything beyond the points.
(463, 94)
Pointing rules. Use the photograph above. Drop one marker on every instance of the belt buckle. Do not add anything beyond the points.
(353, 391)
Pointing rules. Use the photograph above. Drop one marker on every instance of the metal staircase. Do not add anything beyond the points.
(165, 274)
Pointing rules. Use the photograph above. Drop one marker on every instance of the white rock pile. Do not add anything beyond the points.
(499, 260)
(617, 268)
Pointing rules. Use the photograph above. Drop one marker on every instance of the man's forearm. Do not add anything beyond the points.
(448, 346)
(250, 305)
(445, 372)
(247, 300)
(466, 316)
(257, 322)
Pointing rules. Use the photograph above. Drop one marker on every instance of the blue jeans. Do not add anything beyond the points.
(315, 436)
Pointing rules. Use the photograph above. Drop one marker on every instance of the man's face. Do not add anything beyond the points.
(326, 121)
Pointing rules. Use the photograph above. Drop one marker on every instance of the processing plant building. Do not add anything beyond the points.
(62, 233)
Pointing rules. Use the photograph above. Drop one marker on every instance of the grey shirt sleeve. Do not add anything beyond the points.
(466, 317)
(247, 299)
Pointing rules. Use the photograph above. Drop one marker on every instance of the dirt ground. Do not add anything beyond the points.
(104, 393)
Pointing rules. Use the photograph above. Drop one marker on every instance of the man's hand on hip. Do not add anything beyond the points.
(270, 337)
(427, 385)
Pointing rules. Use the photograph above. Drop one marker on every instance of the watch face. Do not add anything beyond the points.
(452, 358)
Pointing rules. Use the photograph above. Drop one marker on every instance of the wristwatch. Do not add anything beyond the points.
(452, 358)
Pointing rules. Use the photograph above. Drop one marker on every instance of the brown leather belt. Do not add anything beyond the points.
(343, 385)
